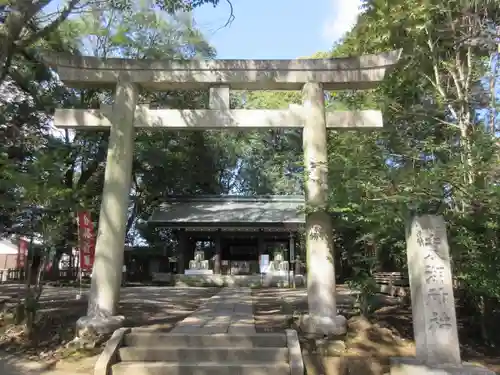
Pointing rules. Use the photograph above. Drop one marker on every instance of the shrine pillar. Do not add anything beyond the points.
(291, 248)
(261, 246)
(218, 251)
(182, 244)
(107, 272)
(322, 316)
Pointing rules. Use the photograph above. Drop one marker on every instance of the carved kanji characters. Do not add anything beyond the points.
(437, 294)
(434, 274)
(420, 239)
(439, 320)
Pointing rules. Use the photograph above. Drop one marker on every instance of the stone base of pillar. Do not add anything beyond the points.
(326, 326)
(415, 366)
(98, 326)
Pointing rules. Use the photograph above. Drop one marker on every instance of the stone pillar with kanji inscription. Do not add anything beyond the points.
(432, 301)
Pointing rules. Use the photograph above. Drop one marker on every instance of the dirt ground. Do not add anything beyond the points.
(370, 343)
(160, 307)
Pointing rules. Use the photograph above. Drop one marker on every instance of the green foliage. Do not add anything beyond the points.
(270, 160)
(363, 283)
(436, 154)
(438, 151)
(25, 23)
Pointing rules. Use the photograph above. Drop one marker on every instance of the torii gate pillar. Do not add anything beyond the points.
(109, 251)
(322, 316)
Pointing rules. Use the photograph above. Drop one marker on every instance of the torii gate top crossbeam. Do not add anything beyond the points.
(363, 72)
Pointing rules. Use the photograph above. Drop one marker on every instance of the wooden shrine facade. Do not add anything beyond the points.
(232, 232)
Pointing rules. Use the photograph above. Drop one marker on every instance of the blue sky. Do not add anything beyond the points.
(276, 29)
(271, 29)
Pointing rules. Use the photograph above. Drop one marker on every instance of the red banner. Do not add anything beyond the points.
(87, 241)
(22, 253)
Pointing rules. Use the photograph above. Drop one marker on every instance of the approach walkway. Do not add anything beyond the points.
(229, 311)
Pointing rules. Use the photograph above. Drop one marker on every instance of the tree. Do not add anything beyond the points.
(26, 22)
(437, 153)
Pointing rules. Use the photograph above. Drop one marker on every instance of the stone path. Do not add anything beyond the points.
(229, 311)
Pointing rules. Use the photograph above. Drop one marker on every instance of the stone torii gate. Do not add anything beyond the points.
(128, 76)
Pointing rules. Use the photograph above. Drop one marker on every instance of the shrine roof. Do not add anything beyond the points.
(229, 211)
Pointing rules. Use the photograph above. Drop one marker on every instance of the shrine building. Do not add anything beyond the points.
(227, 235)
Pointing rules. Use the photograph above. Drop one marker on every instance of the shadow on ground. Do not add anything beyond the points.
(11, 364)
(161, 307)
(59, 310)
(369, 343)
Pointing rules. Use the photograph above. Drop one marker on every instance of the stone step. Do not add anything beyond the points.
(205, 354)
(199, 368)
(182, 340)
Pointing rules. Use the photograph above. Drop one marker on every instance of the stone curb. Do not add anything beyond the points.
(294, 352)
(108, 356)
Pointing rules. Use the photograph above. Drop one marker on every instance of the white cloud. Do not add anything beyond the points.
(342, 17)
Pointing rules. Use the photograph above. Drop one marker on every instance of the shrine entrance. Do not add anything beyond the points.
(251, 227)
(128, 77)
